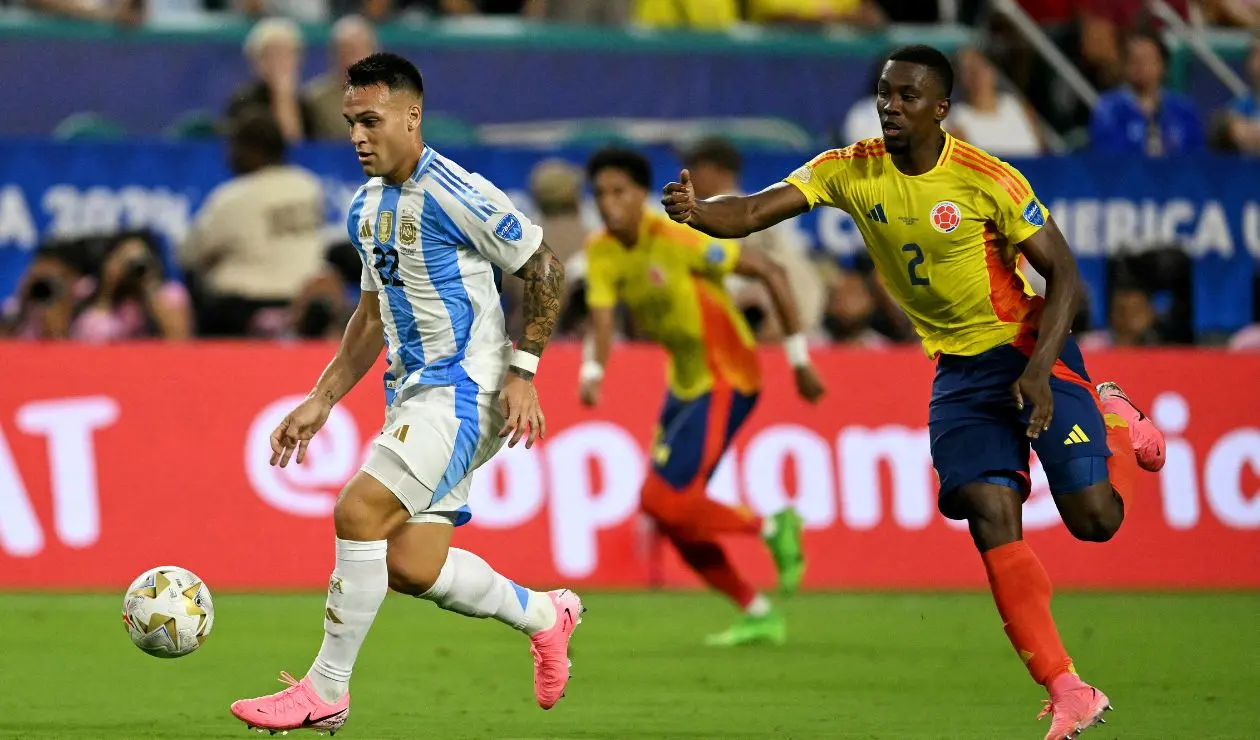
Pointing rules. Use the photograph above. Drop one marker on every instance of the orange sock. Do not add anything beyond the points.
(1122, 466)
(1021, 588)
(691, 513)
(708, 559)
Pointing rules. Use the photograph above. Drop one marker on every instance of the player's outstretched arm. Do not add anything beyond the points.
(361, 344)
(597, 351)
(732, 216)
(1048, 252)
(543, 274)
(756, 265)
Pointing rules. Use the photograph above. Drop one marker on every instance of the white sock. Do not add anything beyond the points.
(468, 585)
(758, 607)
(769, 526)
(355, 591)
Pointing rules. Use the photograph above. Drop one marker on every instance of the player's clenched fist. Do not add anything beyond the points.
(297, 429)
(679, 198)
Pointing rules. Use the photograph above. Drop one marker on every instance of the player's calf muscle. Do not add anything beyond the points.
(993, 514)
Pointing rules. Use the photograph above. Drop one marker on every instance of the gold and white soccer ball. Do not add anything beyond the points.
(168, 612)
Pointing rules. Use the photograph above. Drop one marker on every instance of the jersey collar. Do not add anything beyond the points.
(426, 158)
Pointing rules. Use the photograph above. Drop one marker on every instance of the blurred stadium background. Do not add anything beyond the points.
(174, 271)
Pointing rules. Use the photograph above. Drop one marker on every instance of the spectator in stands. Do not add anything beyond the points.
(43, 305)
(1241, 13)
(307, 11)
(1132, 322)
(850, 309)
(274, 50)
(705, 15)
(602, 13)
(352, 39)
(134, 299)
(996, 121)
(715, 166)
(1143, 117)
(1243, 117)
(257, 240)
(860, 13)
(122, 12)
(381, 9)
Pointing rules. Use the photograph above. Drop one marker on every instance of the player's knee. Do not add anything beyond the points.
(411, 576)
(992, 512)
(367, 511)
(1095, 514)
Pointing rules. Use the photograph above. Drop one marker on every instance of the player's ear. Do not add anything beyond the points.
(414, 114)
(942, 110)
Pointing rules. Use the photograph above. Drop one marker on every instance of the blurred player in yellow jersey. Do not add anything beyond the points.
(669, 277)
(945, 224)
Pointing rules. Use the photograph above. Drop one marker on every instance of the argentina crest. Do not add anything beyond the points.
(385, 226)
(407, 228)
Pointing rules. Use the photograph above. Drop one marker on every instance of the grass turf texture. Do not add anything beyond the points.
(856, 666)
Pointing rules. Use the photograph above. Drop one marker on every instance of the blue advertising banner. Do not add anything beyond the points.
(1210, 207)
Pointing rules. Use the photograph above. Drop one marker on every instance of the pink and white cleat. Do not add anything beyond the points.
(1074, 711)
(551, 648)
(297, 707)
(1148, 441)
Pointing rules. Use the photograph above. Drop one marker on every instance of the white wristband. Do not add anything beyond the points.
(591, 371)
(797, 349)
(525, 361)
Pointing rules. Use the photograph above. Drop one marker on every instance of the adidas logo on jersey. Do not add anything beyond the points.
(877, 214)
(1077, 436)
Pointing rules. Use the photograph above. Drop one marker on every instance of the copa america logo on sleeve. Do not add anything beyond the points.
(509, 228)
(1033, 213)
(715, 254)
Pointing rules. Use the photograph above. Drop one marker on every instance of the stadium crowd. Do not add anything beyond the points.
(268, 219)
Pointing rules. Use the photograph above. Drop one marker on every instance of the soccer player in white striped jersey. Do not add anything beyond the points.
(433, 239)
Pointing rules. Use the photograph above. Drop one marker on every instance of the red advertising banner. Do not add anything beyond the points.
(116, 459)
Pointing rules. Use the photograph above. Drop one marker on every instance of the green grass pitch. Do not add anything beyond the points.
(856, 666)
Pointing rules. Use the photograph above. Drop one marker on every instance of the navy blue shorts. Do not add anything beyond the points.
(978, 434)
(693, 434)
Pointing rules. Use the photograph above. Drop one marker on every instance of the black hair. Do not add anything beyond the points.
(635, 165)
(386, 69)
(256, 129)
(931, 58)
(1148, 34)
(714, 150)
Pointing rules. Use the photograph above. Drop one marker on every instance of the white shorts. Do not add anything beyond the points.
(434, 438)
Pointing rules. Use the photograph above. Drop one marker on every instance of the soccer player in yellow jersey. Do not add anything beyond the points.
(669, 277)
(945, 224)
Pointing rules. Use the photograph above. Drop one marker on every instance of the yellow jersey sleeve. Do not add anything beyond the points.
(713, 258)
(1018, 214)
(601, 275)
(822, 179)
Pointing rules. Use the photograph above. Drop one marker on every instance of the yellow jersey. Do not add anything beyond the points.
(944, 242)
(671, 283)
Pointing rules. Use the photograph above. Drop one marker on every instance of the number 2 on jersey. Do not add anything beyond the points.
(387, 265)
(915, 262)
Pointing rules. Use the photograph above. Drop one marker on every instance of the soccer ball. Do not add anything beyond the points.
(168, 612)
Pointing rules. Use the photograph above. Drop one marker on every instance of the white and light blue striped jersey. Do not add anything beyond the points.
(430, 249)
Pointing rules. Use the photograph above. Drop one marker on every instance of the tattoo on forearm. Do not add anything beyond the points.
(544, 284)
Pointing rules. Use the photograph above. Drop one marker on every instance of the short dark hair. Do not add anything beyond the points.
(386, 69)
(634, 164)
(1149, 34)
(929, 57)
(715, 150)
(256, 129)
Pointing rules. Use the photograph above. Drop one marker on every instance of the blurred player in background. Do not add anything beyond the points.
(670, 279)
(431, 236)
(945, 223)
